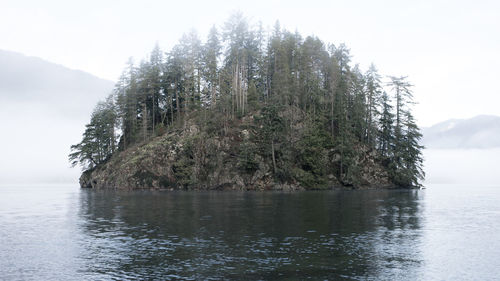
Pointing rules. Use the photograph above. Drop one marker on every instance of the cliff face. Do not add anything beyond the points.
(189, 158)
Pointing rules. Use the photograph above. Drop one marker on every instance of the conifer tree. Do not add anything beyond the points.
(406, 160)
(373, 99)
(412, 152)
(386, 125)
(212, 51)
(99, 140)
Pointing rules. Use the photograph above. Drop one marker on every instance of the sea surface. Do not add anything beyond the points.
(59, 232)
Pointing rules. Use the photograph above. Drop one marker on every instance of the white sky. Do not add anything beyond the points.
(449, 49)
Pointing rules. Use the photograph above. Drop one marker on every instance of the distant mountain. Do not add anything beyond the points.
(30, 79)
(44, 108)
(482, 131)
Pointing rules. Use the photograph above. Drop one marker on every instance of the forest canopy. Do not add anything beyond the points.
(306, 98)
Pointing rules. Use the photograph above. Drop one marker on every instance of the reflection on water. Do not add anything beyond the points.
(446, 232)
(204, 235)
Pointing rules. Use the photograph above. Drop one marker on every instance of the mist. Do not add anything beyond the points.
(36, 143)
(44, 108)
(462, 166)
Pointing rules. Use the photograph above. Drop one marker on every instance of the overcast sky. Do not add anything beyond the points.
(449, 49)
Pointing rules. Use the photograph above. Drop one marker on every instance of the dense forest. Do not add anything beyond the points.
(312, 111)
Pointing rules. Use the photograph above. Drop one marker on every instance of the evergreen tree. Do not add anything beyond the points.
(155, 85)
(412, 153)
(406, 160)
(99, 140)
(403, 97)
(212, 51)
(271, 131)
(373, 99)
(386, 131)
(127, 93)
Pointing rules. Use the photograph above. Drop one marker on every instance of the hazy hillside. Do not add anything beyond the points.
(463, 151)
(479, 132)
(44, 107)
(30, 79)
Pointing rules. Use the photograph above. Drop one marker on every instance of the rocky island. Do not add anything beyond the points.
(251, 111)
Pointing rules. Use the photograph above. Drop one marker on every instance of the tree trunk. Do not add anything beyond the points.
(153, 114)
(177, 103)
(145, 123)
(274, 159)
(171, 109)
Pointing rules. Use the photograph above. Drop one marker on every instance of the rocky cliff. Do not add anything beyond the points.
(191, 158)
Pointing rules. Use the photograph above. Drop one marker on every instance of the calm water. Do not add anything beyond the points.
(64, 233)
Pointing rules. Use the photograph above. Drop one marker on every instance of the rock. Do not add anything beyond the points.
(245, 134)
(192, 159)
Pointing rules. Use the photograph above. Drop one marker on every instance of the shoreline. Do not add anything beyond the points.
(288, 190)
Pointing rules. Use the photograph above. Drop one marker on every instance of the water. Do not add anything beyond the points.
(63, 233)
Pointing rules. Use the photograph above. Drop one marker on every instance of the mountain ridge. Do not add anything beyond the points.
(45, 105)
(35, 80)
(481, 131)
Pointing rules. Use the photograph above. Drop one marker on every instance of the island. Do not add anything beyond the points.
(252, 110)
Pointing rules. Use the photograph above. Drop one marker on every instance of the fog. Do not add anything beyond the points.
(36, 138)
(462, 166)
(448, 48)
(35, 143)
(32, 82)
(479, 132)
(44, 108)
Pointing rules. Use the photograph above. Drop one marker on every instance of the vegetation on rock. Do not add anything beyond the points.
(250, 111)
